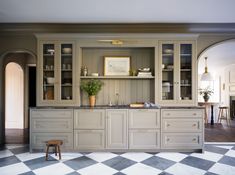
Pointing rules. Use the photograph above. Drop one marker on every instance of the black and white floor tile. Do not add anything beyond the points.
(217, 159)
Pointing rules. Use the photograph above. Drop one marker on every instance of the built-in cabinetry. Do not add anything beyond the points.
(144, 129)
(89, 129)
(56, 76)
(182, 129)
(46, 124)
(177, 72)
(118, 129)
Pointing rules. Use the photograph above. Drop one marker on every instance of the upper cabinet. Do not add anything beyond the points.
(177, 72)
(56, 73)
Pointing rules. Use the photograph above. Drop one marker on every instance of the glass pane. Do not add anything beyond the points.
(48, 71)
(66, 71)
(186, 71)
(167, 72)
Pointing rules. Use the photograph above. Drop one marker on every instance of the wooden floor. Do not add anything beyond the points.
(17, 136)
(213, 133)
(220, 132)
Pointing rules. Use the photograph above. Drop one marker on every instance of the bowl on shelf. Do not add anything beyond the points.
(50, 51)
(67, 50)
(168, 51)
(146, 69)
(170, 66)
(95, 74)
(50, 80)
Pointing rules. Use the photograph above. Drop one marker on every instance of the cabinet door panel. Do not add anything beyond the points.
(182, 125)
(181, 140)
(144, 118)
(116, 129)
(89, 139)
(52, 113)
(37, 140)
(144, 139)
(51, 125)
(174, 113)
(89, 119)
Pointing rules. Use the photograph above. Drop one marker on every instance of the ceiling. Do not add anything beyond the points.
(117, 11)
(219, 56)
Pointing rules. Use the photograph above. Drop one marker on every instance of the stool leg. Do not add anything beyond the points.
(56, 150)
(59, 152)
(218, 116)
(47, 152)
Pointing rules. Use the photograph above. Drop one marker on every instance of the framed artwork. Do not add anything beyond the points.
(116, 65)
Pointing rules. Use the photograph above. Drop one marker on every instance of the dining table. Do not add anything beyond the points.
(207, 106)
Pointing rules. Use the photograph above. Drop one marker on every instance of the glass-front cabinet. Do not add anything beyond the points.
(177, 72)
(56, 78)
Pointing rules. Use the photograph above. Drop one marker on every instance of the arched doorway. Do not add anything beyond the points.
(14, 95)
(18, 66)
(221, 64)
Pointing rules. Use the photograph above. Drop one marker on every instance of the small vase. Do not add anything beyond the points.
(206, 98)
(92, 100)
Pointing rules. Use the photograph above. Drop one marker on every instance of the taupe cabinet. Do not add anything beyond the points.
(56, 73)
(182, 129)
(118, 129)
(46, 124)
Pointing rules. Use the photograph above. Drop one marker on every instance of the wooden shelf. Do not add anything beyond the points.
(66, 85)
(167, 70)
(66, 70)
(115, 77)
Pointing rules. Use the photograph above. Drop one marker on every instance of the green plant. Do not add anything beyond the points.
(91, 87)
(206, 93)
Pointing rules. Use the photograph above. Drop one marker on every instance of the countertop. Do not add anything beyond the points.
(117, 107)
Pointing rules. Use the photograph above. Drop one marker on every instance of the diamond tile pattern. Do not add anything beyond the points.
(218, 159)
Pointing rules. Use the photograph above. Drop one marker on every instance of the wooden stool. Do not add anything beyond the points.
(56, 144)
(223, 114)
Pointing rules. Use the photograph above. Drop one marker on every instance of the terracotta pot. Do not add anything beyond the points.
(92, 100)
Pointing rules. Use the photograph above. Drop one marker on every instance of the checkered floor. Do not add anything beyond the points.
(217, 159)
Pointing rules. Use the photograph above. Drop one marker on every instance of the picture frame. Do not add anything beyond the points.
(116, 65)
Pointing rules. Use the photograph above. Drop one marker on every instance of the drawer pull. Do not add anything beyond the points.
(194, 125)
(168, 114)
(168, 124)
(194, 139)
(194, 114)
(168, 139)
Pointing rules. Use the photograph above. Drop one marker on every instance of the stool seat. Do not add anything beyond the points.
(223, 114)
(56, 144)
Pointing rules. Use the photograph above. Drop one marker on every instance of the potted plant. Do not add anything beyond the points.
(91, 87)
(206, 93)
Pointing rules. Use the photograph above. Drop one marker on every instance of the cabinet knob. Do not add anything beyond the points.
(194, 139)
(168, 124)
(194, 113)
(168, 114)
(167, 139)
(194, 124)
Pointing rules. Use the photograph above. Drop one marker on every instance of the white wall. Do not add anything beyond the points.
(14, 96)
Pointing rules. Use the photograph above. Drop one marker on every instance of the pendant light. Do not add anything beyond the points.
(206, 76)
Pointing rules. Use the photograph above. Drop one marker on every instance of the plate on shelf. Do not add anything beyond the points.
(170, 66)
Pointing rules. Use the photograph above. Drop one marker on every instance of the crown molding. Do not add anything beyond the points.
(195, 28)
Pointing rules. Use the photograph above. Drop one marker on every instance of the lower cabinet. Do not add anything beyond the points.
(48, 124)
(182, 129)
(116, 129)
(144, 139)
(89, 139)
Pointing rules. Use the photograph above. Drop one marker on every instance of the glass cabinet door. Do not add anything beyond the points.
(48, 71)
(168, 61)
(185, 71)
(66, 64)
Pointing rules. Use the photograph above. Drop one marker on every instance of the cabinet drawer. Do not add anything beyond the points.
(144, 119)
(182, 113)
(51, 125)
(52, 113)
(38, 140)
(144, 139)
(89, 119)
(182, 125)
(181, 140)
(89, 139)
